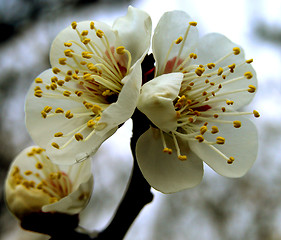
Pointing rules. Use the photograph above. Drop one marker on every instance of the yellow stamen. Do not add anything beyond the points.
(38, 80)
(220, 140)
(78, 136)
(237, 124)
(55, 145)
(236, 50)
(200, 138)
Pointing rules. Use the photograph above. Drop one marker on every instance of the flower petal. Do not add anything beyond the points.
(156, 100)
(165, 172)
(214, 46)
(240, 143)
(69, 35)
(74, 202)
(170, 27)
(134, 31)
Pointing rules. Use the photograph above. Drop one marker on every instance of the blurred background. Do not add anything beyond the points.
(219, 208)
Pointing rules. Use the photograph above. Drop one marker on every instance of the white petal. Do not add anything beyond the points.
(70, 35)
(134, 31)
(165, 172)
(171, 26)
(74, 202)
(156, 100)
(240, 143)
(214, 46)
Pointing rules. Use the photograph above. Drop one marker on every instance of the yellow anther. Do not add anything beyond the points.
(27, 172)
(78, 136)
(60, 82)
(167, 150)
(229, 102)
(88, 105)
(74, 76)
(74, 25)
(179, 40)
(53, 200)
(68, 114)
(220, 71)
(53, 86)
(199, 71)
(55, 145)
(79, 93)
(248, 75)
(86, 55)
(215, 115)
(100, 33)
(91, 67)
(203, 129)
(62, 61)
(220, 140)
(220, 86)
(67, 44)
(236, 50)
(96, 109)
(120, 50)
(69, 73)
(38, 80)
(200, 138)
(59, 110)
(251, 89)
(256, 113)
(178, 114)
(86, 40)
(214, 130)
(68, 53)
(230, 160)
(58, 134)
(67, 78)
(91, 123)
(207, 81)
(56, 70)
(182, 157)
(84, 33)
(30, 154)
(204, 93)
(193, 24)
(231, 67)
(211, 65)
(106, 93)
(38, 93)
(39, 165)
(92, 25)
(47, 109)
(237, 124)
(223, 109)
(44, 114)
(191, 120)
(249, 61)
(37, 88)
(54, 79)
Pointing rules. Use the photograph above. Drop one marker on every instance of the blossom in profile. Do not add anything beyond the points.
(192, 102)
(92, 87)
(34, 185)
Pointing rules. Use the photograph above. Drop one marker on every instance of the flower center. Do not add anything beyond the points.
(201, 99)
(92, 78)
(47, 178)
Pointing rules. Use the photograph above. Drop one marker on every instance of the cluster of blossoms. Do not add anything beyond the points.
(95, 85)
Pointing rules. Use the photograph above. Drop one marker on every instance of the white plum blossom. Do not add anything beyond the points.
(34, 184)
(192, 103)
(92, 87)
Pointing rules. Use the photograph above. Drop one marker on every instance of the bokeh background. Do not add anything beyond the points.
(219, 208)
